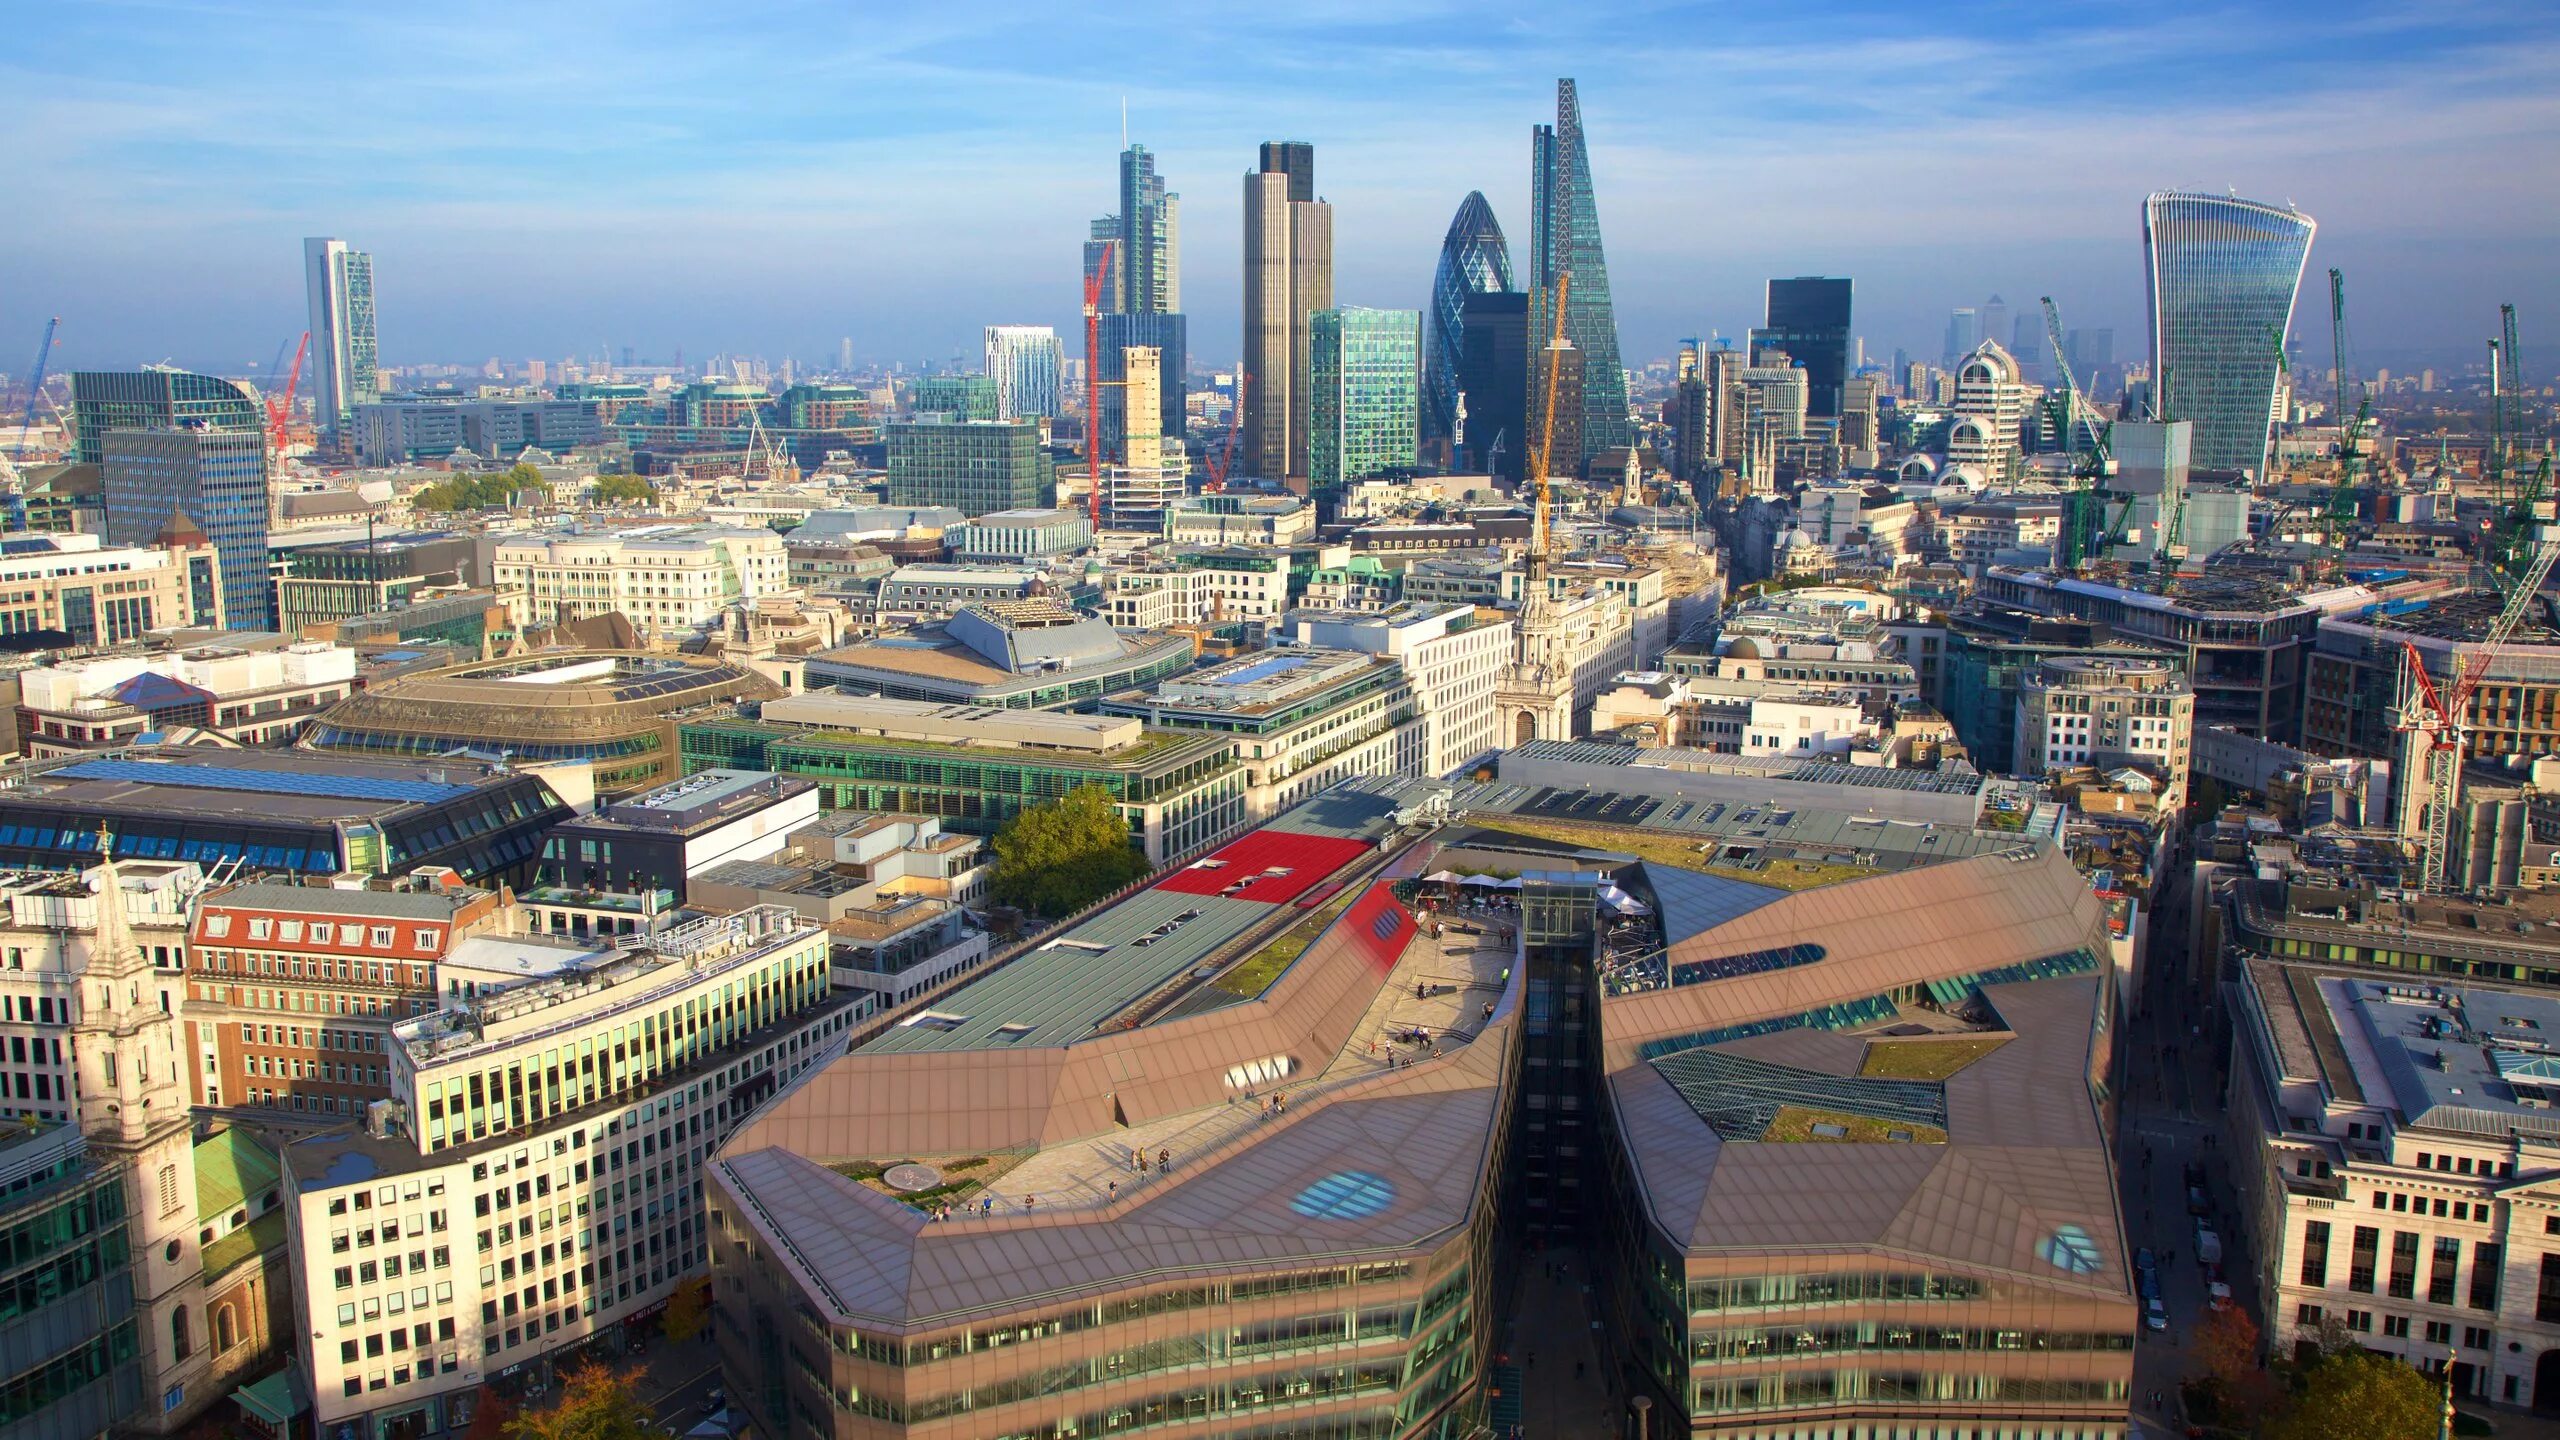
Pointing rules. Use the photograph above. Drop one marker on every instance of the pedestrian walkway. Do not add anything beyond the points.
(1568, 1384)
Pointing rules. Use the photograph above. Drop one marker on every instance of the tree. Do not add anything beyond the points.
(2225, 1350)
(1058, 858)
(595, 1404)
(688, 1310)
(613, 489)
(480, 492)
(2363, 1396)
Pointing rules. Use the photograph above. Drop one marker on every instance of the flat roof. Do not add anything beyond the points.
(966, 724)
(285, 784)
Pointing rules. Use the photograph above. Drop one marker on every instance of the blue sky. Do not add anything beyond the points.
(548, 177)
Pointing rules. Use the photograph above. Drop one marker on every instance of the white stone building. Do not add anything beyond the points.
(1455, 655)
(665, 578)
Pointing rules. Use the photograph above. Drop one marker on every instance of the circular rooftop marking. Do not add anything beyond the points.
(1345, 1195)
(2069, 1248)
(911, 1177)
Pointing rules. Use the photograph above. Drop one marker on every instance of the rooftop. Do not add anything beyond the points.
(978, 725)
(698, 801)
(249, 783)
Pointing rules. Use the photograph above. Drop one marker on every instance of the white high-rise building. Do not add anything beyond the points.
(1455, 655)
(1029, 368)
(1991, 404)
(344, 374)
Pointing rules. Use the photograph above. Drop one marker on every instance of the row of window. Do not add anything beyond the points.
(217, 925)
(2438, 1332)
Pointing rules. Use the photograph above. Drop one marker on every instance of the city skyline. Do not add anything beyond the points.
(486, 228)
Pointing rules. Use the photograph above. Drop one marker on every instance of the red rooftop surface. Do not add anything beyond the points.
(1376, 926)
(1242, 871)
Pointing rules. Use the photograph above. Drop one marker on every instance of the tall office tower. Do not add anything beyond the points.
(1809, 319)
(1685, 367)
(844, 356)
(1990, 406)
(1288, 276)
(1858, 397)
(1993, 320)
(1963, 330)
(1493, 383)
(2027, 343)
(169, 443)
(1361, 403)
(1151, 237)
(340, 282)
(1107, 251)
(1722, 369)
(1164, 333)
(1147, 475)
(1692, 419)
(2090, 351)
(2222, 273)
(1565, 239)
(1028, 368)
(1474, 258)
(1571, 386)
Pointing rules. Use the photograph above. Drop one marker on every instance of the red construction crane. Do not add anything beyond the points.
(2438, 722)
(1224, 465)
(280, 410)
(1093, 382)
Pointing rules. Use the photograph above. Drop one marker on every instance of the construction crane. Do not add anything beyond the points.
(280, 411)
(1224, 465)
(2086, 532)
(1547, 436)
(2337, 524)
(2436, 723)
(35, 384)
(1093, 283)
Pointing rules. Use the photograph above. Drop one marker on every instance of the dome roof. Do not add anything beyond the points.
(1743, 648)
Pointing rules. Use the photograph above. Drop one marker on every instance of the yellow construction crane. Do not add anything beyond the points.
(1547, 427)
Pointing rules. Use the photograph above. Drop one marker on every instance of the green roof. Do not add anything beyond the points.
(274, 1399)
(245, 1244)
(231, 1167)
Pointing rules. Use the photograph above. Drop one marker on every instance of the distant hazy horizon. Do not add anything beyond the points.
(547, 181)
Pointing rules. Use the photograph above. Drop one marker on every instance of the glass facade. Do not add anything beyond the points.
(972, 466)
(1029, 370)
(1474, 260)
(340, 284)
(1565, 239)
(66, 1293)
(218, 479)
(1364, 367)
(1809, 319)
(1168, 334)
(962, 397)
(1150, 282)
(1493, 375)
(2222, 273)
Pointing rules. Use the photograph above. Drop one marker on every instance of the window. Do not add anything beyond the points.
(261, 928)
(2441, 1275)
(2486, 1262)
(424, 939)
(2315, 1253)
(2360, 1260)
(381, 937)
(2395, 1327)
(217, 926)
(2404, 1265)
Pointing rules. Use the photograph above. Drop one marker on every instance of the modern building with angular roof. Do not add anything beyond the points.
(1861, 1153)
(1171, 1168)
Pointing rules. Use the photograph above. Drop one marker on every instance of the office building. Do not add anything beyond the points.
(109, 595)
(2106, 713)
(647, 848)
(397, 429)
(1106, 257)
(1276, 521)
(1168, 336)
(1565, 240)
(1561, 375)
(562, 1103)
(216, 479)
(1229, 589)
(1151, 238)
(292, 990)
(1990, 411)
(1808, 318)
(1493, 378)
(2245, 640)
(1361, 394)
(1474, 260)
(1015, 654)
(339, 282)
(340, 579)
(1322, 1267)
(1964, 331)
(2222, 275)
(2393, 1139)
(1288, 277)
(665, 578)
(1302, 719)
(1455, 654)
(103, 401)
(1019, 537)
(612, 710)
(972, 466)
(956, 397)
(1029, 370)
(284, 811)
(211, 694)
(977, 768)
(1149, 474)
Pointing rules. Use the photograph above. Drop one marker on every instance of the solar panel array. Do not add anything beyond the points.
(204, 776)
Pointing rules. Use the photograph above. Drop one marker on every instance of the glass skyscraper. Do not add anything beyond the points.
(1165, 333)
(1474, 260)
(1364, 365)
(1288, 276)
(340, 282)
(169, 442)
(1565, 239)
(1809, 320)
(2222, 273)
(1150, 282)
(1028, 367)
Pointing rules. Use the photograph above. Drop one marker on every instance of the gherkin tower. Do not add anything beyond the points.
(1474, 260)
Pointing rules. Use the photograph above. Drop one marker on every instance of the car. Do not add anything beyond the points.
(2196, 1203)
(714, 1402)
(2154, 1314)
(2218, 1295)
(2143, 1259)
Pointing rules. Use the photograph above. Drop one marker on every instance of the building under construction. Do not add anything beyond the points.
(2352, 689)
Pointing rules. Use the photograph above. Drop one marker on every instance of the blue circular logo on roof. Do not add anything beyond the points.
(2070, 1249)
(1345, 1195)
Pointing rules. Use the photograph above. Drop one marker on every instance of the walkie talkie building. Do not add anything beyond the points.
(2222, 273)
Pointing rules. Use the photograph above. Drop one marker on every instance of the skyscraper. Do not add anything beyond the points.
(1809, 319)
(1362, 399)
(1565, 239)
(1964, 328)
(1288, 276)
(1993, 321)
(340, 284)
(1105, 254)
(167, 442)
(2222, 274)
(1027, 364)
(1493, 376)
(1150, 236)
(1474, 259)
(1164, 333)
